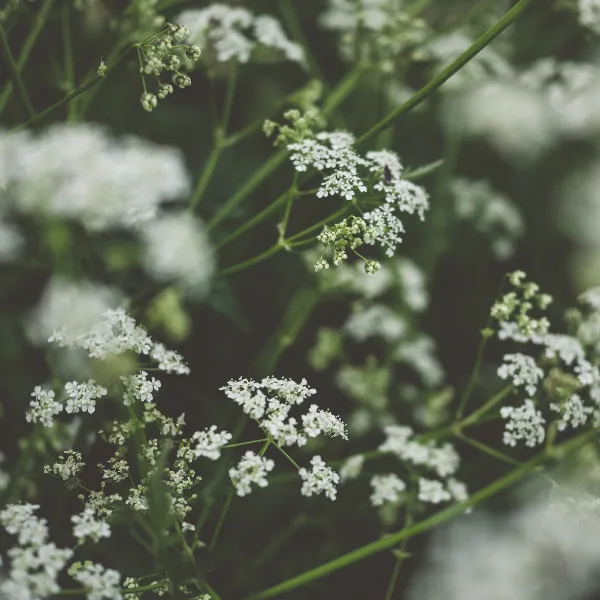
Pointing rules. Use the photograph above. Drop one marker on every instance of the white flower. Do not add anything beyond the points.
(431, 490)
(85, 525)
(139, 387)
(169, 360)
(318, 421)
(589, 14)
(43, 408)
(386, 488)
(352, 468)
(79, 172)
(176, 249)
(420, 354)
(82, 396)
(209, 442)
(457, 489)
(252, 469)
(525, 423)
(572, 412)
(523, 371)
(101, 583)
(69, 465)
(385, 228)
(321, 479)
(228, 31)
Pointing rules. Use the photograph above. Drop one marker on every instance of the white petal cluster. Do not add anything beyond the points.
(43, 407)
(352, 468)
(386, 488)
(413, 284)
(316, 422)
(270, 401)
(101, 583)
(86, 526)
(420, 354)
(209, 442)
(386, 228)
(375, 320)
(589, 14)
(139, 387)
(524, 424)
(522, 370)
(176, 249)
(35, 563)
(252, 469)
(79, 172)
(68, 466)
(168, 360)
(573, 412)
(443, 460)
(82, 396)
(233, 33)
(11, 241)
(433, 491)
(321, 479)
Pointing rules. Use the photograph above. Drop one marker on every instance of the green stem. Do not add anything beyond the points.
(288, 208)
(288, 456)
(251, 261)
(473, 377)
(245, 443)
(427, 524)
(482, 410)
(15, 73)
(207, 173)
(83, 88)
(38, 24)
(419, 173)
(68, 57)
(512, 15)
(488, 450)
(229, 94)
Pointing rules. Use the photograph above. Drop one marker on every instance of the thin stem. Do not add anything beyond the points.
(38, 24)
(512, 15)
(222, 516)
(83, 88)
(68, 56)
(245, 443)
(207, 173)
(288, 456)
(229, 94)
(288, 208)
(427, 524)
(482, 410)
(488, 449)
(251, 261)
(419, 173)
(473, 377)
(15, 73)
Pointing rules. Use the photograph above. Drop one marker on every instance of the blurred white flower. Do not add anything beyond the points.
(79, 172)
(176, 249)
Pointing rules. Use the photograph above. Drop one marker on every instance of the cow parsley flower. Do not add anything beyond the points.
(252, 469)
(233, 33)
(101, 583)
(375, 320)
(352, 467)
(82, 396)
(572, 412)
(68, 466)
(524, 423)
(317, 422)
(176, 249)
(209, 442)
(386, 488)
(589, 14)
(139, 387)
(85, 525)
(433, 491)
(44, 407)
(523, 371)
(81, 173)
(321, 479)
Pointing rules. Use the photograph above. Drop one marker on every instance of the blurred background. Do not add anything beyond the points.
(517, 131)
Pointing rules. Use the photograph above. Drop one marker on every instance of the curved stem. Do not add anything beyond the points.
(512, 15)
(15, 73)
(207, 173)
(427, 524)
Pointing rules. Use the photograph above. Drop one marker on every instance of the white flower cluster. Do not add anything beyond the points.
(35, 563)
(252, 469)
(86, 526)
(492, 214)
(523, 371)
(209, 442)
(380, 30)
(101, 583)
(228, 33)
(589, 14)
(386, 488)
(524, 423)
(82, 396)
(443, 460)
(68, 466)
(572, 411)
(321, 479)
(115, 334)
(375, 320)
(78, 172)
(139, 387)
(269, 402)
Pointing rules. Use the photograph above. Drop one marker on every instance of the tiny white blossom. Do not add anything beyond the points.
(431, 490)
(572, 412)
(386, 488)
(523, 371)
(101, 583)
(209, 442)
(82, 396)
(318, 421)
(321, 479)
(252, 469)
(525, 423)
(85, 525)
(44, 407)
(139, 387)
(352, 468)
